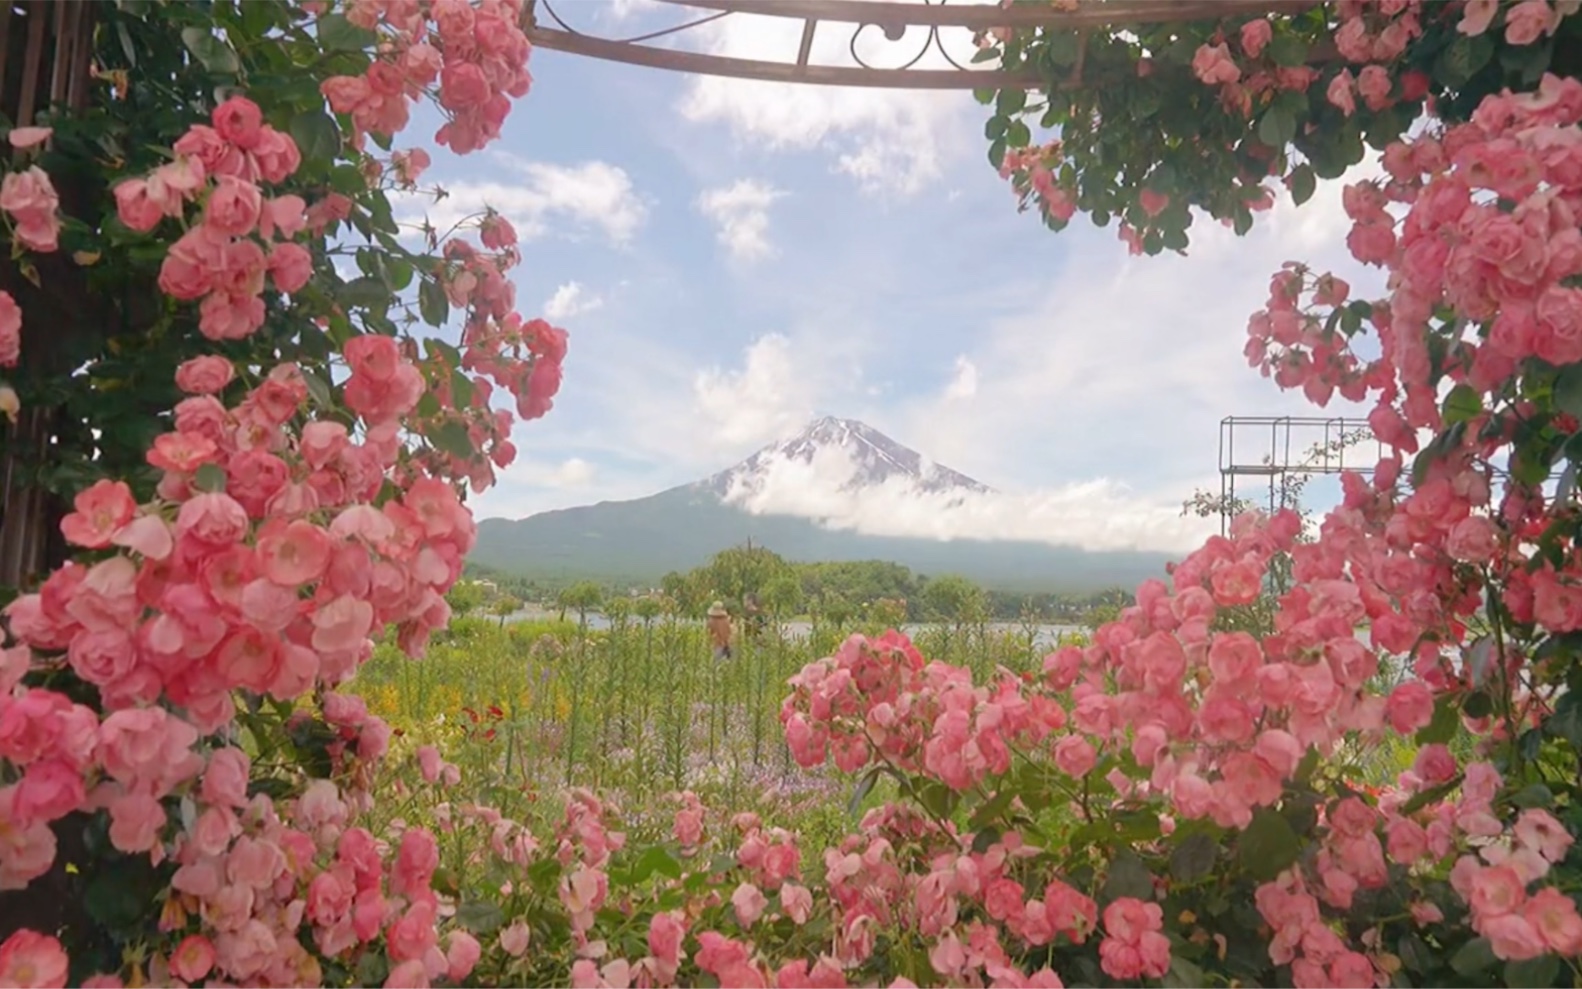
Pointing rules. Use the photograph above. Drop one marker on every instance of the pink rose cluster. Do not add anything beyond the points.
(476, 52)
(263, 567)
(242, 235)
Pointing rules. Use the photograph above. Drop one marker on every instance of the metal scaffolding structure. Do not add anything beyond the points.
(1288, 448)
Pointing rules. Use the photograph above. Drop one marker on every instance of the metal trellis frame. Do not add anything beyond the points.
(893, 21)
(1289, 446)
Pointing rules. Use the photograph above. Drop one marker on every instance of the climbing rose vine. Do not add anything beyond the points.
(1192, 797)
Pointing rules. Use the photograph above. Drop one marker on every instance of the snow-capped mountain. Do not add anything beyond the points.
(797, 497)
(873, 458)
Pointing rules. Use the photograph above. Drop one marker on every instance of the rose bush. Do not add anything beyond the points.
(1196, 797)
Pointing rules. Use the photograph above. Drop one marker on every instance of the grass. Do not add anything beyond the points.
(635, 711)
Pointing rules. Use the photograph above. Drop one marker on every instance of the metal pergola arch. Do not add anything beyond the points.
(546, 28)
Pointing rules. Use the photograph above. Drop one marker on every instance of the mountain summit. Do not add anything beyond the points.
(875, 459)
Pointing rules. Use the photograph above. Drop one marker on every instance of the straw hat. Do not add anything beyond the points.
(717, 610)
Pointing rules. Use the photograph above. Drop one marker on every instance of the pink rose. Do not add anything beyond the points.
(749, 903)
(10, 330)
(31, 200)
(27, 137)
(30, 960)
(239, 121)
(462, 85)
(1339, 93)
(291, 266)
(1410, 707)
(1526, 21)
(204, 375)
(1476, 16)
(461, 955)
(513, 940)
(1075, 756)
(1254, 35)
(233, 207)
(277, 155)
(1212, 65)
(1133, 946)
(135, 207)
(193, 958)
(1373, 82)
(1554, 916)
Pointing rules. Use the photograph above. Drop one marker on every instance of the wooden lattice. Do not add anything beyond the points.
(46, 58)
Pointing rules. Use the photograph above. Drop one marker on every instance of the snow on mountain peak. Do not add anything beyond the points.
(864, 456)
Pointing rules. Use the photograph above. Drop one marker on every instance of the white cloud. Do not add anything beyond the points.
(741, 214)
(890, 140)
(1124, 367)
(593, 195)
(965, 383)
(571, 473)
(1093, 515)
(569, 300)
(767, 398)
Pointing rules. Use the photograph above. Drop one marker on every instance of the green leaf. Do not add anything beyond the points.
(984, 96)
(1415, 954)
(452, 438)
(210, 51)
(1566, 722)
(860, 792)
(318, 388)
(120, 896)
(432, 303)
(367, 292)
(1462, 403)
(461, 389)
(1010, 101)
(480, 916)
(1303, 184)
(1533, 795)
(1568, 390)
(1474, 958)
(994, 127)
(210, 478)
(1432, 795)
(1536, 972)
(1183, 975)
(337, 34)
(1017, 135)
(1277, 127)
(1462, 59)
(1127, 877)
(985, 840)
(1287, 50)
(997, 153)
(317, 134)
(1478, 705)
(1442, 727)
(372, 969)
(1194, 858)
(1268, 845)
(654, 860)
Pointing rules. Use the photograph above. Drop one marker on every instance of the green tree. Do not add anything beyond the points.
(466, 597)
(954, 600)
(581, 597)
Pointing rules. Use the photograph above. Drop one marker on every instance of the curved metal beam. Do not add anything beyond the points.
(677, 60)
(985, 16)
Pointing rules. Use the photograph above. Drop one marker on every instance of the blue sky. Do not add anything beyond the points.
(733, 258)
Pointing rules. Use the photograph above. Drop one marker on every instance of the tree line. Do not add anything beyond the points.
(755, 578)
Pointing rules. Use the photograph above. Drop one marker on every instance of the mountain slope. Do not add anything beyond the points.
(642, 539)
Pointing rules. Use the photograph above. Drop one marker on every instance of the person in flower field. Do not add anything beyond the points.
(719, 626)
